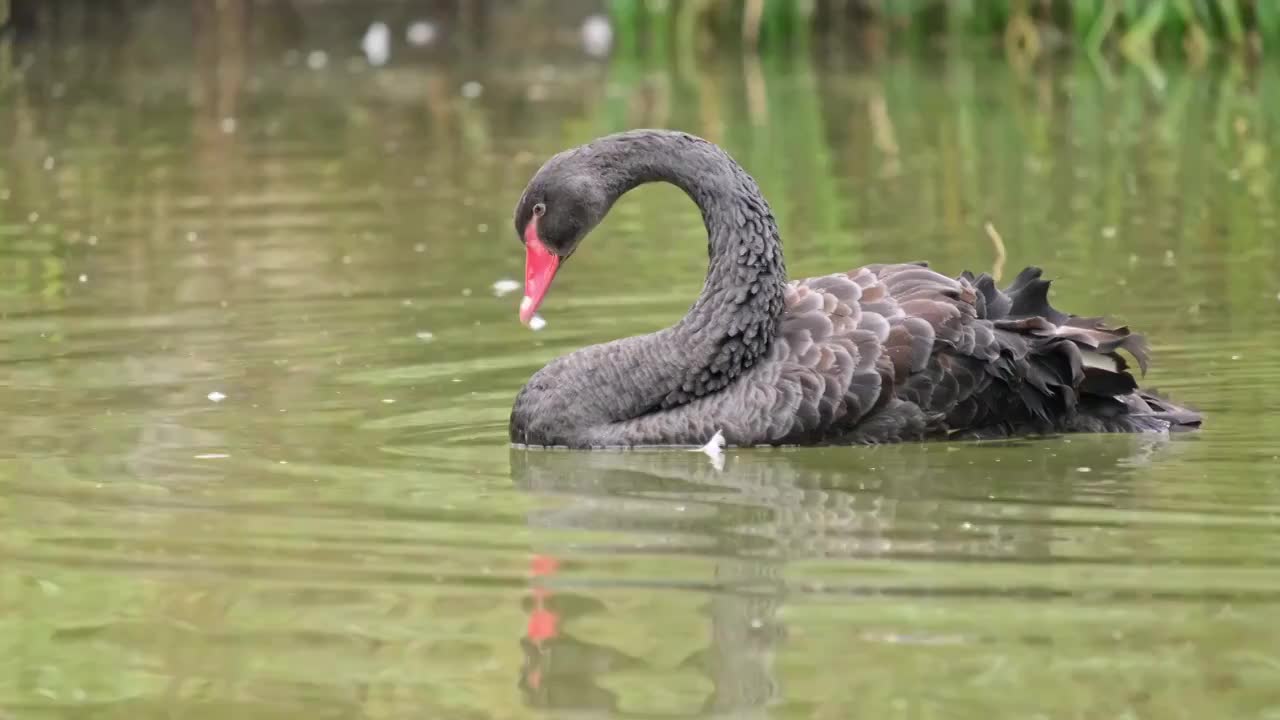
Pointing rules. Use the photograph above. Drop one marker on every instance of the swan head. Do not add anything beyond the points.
(563, 202)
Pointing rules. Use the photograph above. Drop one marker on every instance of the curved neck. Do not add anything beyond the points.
(732, 323)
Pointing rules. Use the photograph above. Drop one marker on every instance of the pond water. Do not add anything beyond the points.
(255, 380)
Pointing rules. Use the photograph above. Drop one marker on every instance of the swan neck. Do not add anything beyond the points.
(732, 323)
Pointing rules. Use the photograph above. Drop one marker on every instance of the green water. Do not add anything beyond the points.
(346, 534)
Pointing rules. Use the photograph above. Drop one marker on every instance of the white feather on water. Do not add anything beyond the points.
(714, 449)
(505, 286)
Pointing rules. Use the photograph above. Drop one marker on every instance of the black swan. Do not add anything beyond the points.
(881, 353)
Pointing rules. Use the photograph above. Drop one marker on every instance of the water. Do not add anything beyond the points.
(255, 384)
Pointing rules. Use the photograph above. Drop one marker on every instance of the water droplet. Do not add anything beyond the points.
(536, 323)
(425, 336)
(420, 247)
(212, 456)
(93, 240)
(1084, 469)
(466, 292)
(49, 162)
(389, 401)
(216, 396)
(1108, 232)
(317, 59)
(34, 217)
(472, 89)
(505, 286)
(482, 227)
(83, 278)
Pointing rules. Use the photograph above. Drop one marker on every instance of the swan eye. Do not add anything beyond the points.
(540, 209)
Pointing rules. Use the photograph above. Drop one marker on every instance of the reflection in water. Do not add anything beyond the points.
(767, 509)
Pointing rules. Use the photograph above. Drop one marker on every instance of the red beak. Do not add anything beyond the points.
(540, 265)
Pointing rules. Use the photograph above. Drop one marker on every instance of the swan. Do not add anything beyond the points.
(878, 354)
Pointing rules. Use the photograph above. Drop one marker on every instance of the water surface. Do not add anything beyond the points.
(255, 382)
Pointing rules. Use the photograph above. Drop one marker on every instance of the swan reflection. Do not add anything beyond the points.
(616, 529)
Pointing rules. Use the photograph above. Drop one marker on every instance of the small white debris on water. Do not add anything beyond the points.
(228, 125)
(482, 228)
(472, 89)
(1235, 357)
(377, 44)
(504, 286)
(389, 401)
(1169, 259)
(597, 35)
(212, 456)
(714, 449)
(216, 396)
(192, 236)
(425, 336)
(536, 323)
(420, 33)
(93, 240)
(420, 247)
(1108, 232)
(317, 59)
(1084, 469)
(83, 278)
(49, 162)
(33, 218)
(466, 292)
(537, 92)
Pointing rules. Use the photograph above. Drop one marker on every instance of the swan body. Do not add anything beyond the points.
(880, 353)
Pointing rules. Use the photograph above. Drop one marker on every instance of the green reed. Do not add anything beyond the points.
(1136, 28)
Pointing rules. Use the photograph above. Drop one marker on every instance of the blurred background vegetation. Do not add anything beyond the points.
(1025, 28)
